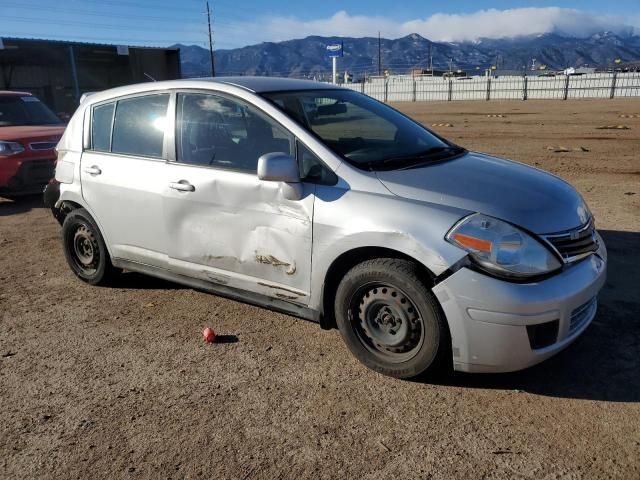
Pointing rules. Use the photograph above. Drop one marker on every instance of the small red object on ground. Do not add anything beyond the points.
(209, 335)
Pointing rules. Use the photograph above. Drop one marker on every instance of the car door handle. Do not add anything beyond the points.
(93, 170)
(182, 186)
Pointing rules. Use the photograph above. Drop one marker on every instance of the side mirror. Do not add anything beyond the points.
(278, 167)
(281, 167)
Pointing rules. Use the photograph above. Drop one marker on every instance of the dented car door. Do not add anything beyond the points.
(224, 225)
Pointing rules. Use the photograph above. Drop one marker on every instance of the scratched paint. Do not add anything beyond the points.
(271, 260)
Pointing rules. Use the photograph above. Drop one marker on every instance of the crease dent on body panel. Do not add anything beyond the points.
(271, 260)
(418, 250)
(280, 287)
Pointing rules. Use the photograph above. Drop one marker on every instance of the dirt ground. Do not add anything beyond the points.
(116, 382)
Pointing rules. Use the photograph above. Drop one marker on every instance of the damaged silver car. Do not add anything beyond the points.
(323, 203)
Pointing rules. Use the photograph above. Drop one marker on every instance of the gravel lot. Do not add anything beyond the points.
(116, 382)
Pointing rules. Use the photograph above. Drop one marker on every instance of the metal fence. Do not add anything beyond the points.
(559, 87)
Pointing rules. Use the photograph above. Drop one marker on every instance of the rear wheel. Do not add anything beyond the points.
(390, 320)
(85, 250)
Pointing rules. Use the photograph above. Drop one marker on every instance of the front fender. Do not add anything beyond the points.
(361, 219)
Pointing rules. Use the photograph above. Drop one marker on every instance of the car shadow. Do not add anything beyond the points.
(604, 363)
(21, 204)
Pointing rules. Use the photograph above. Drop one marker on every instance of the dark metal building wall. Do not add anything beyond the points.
(45, 68)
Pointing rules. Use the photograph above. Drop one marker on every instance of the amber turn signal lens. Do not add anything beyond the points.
(473, 242)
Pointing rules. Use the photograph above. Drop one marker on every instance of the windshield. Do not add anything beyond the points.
(365, 132)
(25, 110)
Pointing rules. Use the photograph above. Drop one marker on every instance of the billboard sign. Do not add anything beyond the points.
(335, 50)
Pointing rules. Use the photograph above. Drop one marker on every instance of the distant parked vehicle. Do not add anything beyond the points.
(325, 203)
(29, 133)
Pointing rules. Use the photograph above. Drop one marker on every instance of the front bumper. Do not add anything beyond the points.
(24, 176)
(488, 317)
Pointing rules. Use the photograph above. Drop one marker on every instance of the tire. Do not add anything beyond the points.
(391, 321)
(85, 250)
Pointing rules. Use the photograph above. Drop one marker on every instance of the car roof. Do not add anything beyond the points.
(272, 84)
(254, 85)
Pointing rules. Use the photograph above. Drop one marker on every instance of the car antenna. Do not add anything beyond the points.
(149, 76)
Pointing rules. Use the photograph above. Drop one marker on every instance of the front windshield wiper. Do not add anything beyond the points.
(410, 161)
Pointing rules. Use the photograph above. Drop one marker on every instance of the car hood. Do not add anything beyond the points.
(31, 132)
(522, 195)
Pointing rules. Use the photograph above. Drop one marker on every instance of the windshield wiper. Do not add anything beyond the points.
(409, 161)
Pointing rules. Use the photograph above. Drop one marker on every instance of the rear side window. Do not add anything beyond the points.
(139, 125)
(101, 127)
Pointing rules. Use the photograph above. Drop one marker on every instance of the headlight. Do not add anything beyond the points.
(501, 248)
(10, 148)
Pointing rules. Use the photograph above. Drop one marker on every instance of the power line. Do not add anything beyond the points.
(103, 40)
(97, 14)
(72, 23)
(127, 4)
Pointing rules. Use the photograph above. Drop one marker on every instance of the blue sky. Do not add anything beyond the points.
(238, 23)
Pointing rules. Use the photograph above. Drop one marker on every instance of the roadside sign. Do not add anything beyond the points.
(335, 50)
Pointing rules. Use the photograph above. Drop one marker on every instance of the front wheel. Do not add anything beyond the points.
(85, 250)
(390, 320)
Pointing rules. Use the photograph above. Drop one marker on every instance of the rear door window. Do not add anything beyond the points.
(139, 125)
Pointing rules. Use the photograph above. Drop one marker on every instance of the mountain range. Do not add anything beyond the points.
(306, 56)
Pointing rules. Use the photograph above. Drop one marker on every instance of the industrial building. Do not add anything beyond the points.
(60, 72)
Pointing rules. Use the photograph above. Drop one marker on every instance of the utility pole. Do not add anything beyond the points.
(213, 68)
(379, 56)
(430, 59)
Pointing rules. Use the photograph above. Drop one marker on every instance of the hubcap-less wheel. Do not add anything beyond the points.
(85, 249)
(387, 322)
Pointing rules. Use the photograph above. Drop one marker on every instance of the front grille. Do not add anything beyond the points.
(42, 145)
(582, 314)
(36, 172)
(575, 244)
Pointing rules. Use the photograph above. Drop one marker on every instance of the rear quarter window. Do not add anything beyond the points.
(101, 123)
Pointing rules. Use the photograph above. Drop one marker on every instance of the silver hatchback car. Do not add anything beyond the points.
(323, 203)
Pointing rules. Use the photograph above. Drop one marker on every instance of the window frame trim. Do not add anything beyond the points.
(115, 101)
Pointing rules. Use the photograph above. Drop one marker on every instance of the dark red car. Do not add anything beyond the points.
(29, 133)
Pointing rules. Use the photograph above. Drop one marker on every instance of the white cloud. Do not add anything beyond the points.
(442, 27)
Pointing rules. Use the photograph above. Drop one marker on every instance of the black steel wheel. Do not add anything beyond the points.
(387, 322)
(84, 248)
(390, 320)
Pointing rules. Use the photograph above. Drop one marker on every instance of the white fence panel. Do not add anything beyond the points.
(507, 88)
(590, 86)
(375, 89)
(546, 87)
(628, 84)
(469, 89)
(400, 89)
(432, 89)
